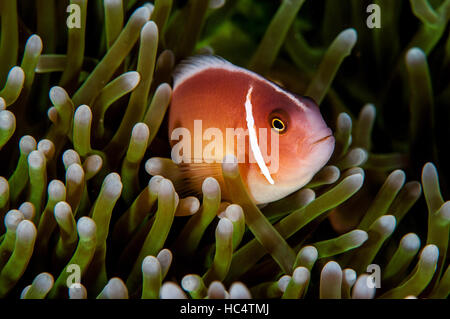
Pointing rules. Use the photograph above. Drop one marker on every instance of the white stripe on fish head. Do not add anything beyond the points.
(253, 138)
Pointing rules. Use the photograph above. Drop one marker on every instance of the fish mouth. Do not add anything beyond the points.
(322, 139)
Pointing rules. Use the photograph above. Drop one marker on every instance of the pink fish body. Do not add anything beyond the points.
(286, 138)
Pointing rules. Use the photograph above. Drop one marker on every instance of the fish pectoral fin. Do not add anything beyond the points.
(187, 178)
(192, 177)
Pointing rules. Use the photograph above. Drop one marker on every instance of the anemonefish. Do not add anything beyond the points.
(211, 96)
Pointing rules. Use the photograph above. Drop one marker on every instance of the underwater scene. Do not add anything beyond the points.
(224, 149)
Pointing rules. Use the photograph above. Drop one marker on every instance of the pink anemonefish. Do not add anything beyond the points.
(210, 92)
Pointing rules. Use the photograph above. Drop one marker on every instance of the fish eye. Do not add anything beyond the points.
(278, 125)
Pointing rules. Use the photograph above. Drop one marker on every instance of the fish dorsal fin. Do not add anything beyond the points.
(198, 63)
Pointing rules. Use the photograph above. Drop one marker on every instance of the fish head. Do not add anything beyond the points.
(300, 142)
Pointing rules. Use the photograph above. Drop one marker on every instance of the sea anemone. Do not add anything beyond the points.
(89, 194)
